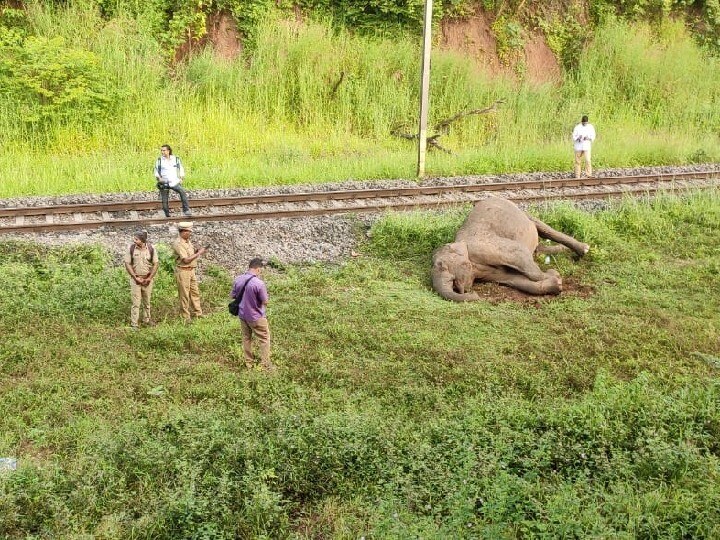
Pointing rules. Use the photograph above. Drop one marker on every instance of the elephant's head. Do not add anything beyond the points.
(452, 273)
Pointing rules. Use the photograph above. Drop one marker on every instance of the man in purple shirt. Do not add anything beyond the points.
(252, 313)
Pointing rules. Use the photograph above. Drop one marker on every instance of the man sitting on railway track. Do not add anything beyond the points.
(169, 174)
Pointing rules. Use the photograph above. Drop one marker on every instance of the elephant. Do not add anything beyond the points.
(497, 243)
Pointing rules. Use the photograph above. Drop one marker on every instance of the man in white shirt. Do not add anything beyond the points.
(169, 174)
(583, 135)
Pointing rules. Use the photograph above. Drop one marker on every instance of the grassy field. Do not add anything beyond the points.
(276, 116)
(394, 414)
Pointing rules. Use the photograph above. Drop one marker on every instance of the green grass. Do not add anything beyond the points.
(394, 414)
(272, 117)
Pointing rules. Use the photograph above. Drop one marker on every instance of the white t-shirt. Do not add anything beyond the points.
(171, 171)
(583, 136)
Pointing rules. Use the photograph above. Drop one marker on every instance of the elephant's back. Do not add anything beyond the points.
(499, 217)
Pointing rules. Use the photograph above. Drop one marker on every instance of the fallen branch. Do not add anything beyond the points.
(443, 126)
(337, 85)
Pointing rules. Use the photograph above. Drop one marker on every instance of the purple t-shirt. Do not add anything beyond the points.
(254, 299)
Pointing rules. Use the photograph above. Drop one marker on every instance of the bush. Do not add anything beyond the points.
(46, 82)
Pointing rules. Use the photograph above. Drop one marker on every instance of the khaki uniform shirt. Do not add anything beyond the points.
(184, 249)
(141, 261)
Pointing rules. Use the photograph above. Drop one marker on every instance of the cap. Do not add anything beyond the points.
(185, 226)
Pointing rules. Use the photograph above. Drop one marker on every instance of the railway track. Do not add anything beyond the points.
(73, 217)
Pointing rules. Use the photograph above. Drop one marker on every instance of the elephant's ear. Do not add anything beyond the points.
(459, 249)
(441, 265)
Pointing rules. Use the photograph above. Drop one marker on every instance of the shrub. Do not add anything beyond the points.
(49, 82)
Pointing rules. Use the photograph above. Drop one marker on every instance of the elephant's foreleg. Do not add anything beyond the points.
(551, 284)
(546, 231)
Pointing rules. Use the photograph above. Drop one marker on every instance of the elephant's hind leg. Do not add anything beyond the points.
(551, 250)
(551, 284)
(546, 231)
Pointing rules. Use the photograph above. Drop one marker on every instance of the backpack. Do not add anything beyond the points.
(151, 249)
(158, 165)
(234, 306)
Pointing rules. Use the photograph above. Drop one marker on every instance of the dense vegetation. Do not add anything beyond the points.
(394, 414)
(89, 89)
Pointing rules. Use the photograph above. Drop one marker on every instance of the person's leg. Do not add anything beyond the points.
(578, 157)
(588, 163)
(146, 293)
(262, 331)
(164, 200)
(194, 294)
(247, 344)
(135, 307)
(183, 198)
(183, 283)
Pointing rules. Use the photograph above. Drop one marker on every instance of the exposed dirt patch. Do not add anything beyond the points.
(498, 294)
(541, 63)
(473, 37)
(223, 35)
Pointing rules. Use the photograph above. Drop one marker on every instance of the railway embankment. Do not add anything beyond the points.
(309, 239)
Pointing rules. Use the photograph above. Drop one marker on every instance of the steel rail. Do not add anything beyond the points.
(308, 212)
(555, 183)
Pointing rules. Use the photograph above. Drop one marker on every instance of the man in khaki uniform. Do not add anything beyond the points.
(186, 257)
(141, 262)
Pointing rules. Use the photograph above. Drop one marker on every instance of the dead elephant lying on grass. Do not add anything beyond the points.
(497, 243)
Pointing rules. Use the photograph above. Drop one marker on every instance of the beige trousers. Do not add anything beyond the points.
(189, 293)
(140, 296)
(579, 157)
(261, 329)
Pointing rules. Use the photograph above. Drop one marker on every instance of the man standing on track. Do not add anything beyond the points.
(253, 320)
(141, 262)
(583, 135)
(186, 259)
(169, 174)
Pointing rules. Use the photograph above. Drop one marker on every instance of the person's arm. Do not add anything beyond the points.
(263, 295)
(153, 271)
(130, 271)
(156, 169)
(235, 288)
(191, 258)
(181, 170)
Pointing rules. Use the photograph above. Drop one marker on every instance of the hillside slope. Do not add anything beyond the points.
(285, 94)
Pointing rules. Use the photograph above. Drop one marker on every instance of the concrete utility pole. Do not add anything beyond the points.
(424, 89)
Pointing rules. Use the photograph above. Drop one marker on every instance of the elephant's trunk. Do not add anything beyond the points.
(443, 285)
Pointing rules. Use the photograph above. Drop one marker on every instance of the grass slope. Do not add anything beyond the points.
(277, 117)
(395, 414)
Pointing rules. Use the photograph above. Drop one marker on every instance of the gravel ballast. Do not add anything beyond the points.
(290, 240)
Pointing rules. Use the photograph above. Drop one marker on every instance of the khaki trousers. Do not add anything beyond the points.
(189, 293)
(140, 295)
(261, 329)
(579, 157)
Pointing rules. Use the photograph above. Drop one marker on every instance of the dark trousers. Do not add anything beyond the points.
(164, 192)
